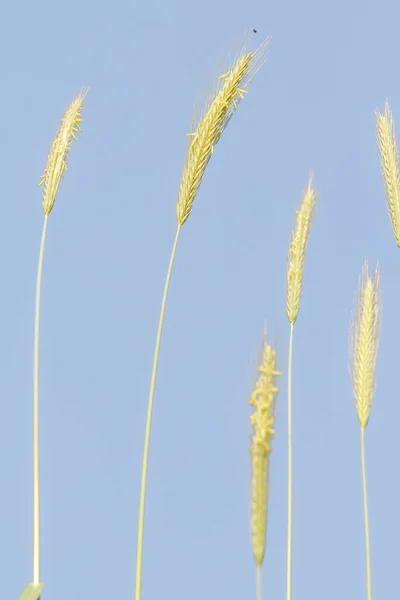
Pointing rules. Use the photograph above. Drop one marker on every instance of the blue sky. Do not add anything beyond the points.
(109, 238)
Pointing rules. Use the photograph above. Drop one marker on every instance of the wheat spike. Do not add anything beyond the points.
(209, 126)
(230, 89)
(364, 342)
(57, 159)
(51, 179)
(295, 275)
(262, 420)
(363, 351)
(297, 252)
(389, 159)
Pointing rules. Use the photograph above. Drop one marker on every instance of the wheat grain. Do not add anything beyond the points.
(389, 159)
(207, 129)
(262, 420)
(364, 342)
(57, 159)
(297, 252)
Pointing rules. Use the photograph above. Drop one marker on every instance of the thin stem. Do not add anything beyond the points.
(366, 521)
(36, 486)
(289, 519)
(139, 555)
(258, 582)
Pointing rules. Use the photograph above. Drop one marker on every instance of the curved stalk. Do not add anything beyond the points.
(139, 555)
(36, 481)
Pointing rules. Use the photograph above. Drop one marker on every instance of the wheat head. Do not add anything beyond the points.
(262, 420)
(364, 342)
(389, 159)
(57, 159)
(208, 127)
(297, 252)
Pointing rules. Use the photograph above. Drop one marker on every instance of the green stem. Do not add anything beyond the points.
(366, 520)
(36, 486)
(139, 554)
(289, 518)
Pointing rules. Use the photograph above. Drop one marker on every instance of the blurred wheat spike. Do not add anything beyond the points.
(57, 159)
(297, 252)
(364, 342)
(389, 158)
(262, 420)
(209, 124)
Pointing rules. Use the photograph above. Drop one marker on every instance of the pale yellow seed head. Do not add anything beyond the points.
(364, 342)
(57, 159)
(207, 128)
(297, 252)
(262, 421)
(389, 159)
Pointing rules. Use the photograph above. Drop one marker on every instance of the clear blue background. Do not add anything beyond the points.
(109, 237)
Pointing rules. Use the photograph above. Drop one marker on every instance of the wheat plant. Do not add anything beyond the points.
(363, 351)
(50, 182)
(295, 275)
(207, 127)
(262, 420)
(389, 158)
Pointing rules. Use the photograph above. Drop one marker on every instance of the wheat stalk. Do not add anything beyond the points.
(262, 421)
(363, 352)
(208, 126)
(50, 182)
(295, 275)
(389, 159)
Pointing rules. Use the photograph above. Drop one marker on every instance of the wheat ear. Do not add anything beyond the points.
(389, 159)
(208, 126)
(363, 352)
(50, 182)
(295, 275)
(262, 421)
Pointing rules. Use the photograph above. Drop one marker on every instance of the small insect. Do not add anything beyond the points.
(254, 30)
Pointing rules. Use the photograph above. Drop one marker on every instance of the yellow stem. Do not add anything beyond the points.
(366, 521)
(36, 486)
(289, 519)
(258, 583)
(139, 554)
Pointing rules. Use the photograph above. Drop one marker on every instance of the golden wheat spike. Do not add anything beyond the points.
(389, 159)
(208, 128)
(57, 159)
(295, 275)
(51, 179)
(297, 252)
(364, 342)
(262, 421)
